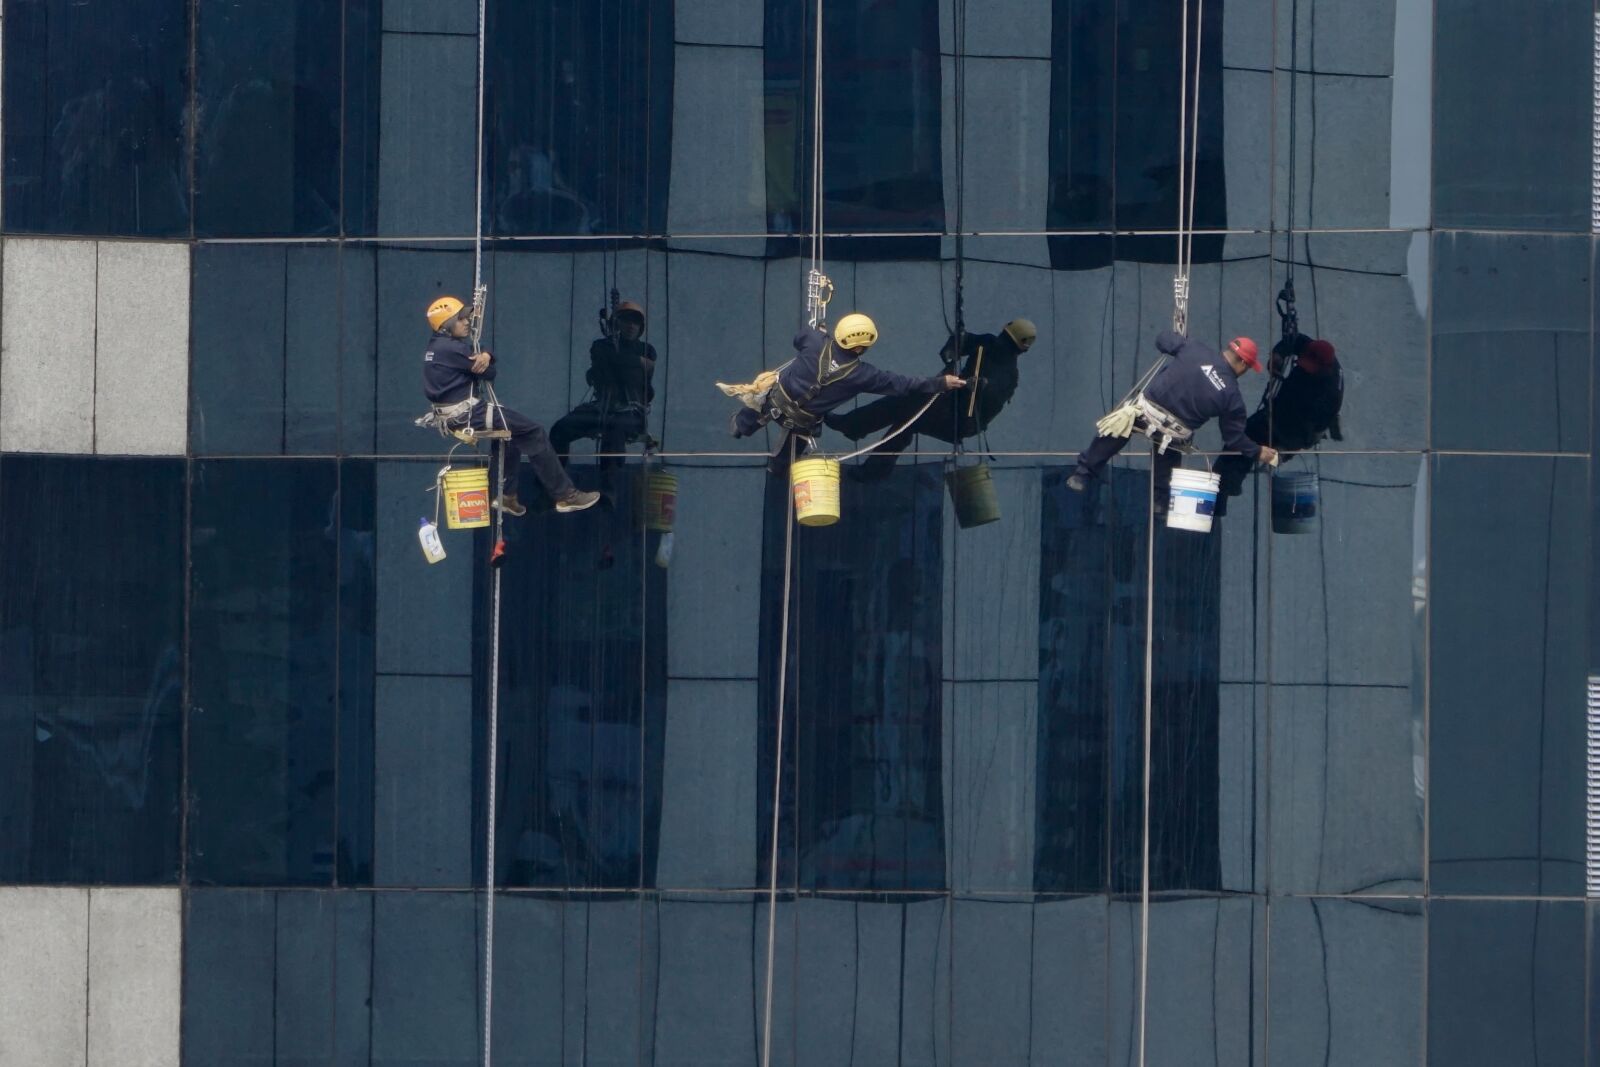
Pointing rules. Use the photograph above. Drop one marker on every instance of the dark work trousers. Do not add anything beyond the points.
(527, 438)
(938, 422)
(612, 429)
(1094, 458)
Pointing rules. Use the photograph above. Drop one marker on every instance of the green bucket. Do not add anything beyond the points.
(972, 491)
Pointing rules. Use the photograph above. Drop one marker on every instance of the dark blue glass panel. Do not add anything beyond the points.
(267, 143)
(1507, 652)
(1512, 150)
(1505, 982)
(1098, 539)
(96, 93)
(882, 166)
(265, 541)
(426, 985)
(237, 330)
(582, 654)
(91, 669)
(1083, 59)
(363, 74)
(580, 104)
(276, 977)
(1346, 981)
(358, 577)
(863, 798)
(1511, 347)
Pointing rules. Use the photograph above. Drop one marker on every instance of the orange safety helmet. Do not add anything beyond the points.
(629, 307)
(442, 311)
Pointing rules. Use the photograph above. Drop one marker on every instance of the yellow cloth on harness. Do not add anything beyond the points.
(1119, 423)
(751, 394)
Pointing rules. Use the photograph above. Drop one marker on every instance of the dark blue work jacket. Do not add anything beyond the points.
(1198, 386)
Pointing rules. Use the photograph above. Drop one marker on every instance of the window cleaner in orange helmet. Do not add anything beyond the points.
(450, 373)
(1198, 385)
(826, 372)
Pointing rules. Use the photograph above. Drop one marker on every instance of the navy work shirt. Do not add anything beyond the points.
(618, 372)
(1198, 386)
(851, 378)
(447, 369)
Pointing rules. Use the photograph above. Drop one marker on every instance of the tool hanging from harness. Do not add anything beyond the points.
(1145, 416)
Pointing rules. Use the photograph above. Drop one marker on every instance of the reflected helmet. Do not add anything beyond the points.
(628, 307)
(855, 330)
(1022, 331)
(1245, 349)
(1319, 354)
(443, 310)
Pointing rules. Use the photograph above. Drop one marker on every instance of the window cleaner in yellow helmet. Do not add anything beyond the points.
(991, 365)
(825, 373)
(450, 373)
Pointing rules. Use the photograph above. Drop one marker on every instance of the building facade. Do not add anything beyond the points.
(244, 726)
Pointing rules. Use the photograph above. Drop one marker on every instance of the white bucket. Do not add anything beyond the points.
(1294, 502)
(1193, 499)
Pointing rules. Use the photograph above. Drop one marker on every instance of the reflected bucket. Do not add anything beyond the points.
(660, 501)
(1294, 503)
(972, 492)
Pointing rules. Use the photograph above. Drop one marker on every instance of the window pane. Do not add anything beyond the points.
(91, 669)
(95, 98)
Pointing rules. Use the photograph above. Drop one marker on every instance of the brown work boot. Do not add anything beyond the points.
(511, 505)
(577, 500)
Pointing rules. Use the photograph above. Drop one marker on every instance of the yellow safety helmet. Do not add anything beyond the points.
(443, 310)
(855, 330)
(1023, 332)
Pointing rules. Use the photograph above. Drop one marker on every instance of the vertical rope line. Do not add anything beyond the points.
(494, 597)
(1194, 133)
(1183, 125)
(1149, 680)
(816, 147)
(477, 209)
(777, 766)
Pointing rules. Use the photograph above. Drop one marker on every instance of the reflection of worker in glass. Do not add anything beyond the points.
(1303, 411)
(450, 372)
(621, 366)
(1185, 394)
(824, 374)
(995, 380)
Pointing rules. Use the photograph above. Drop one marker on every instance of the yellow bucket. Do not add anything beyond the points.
(972, 490)
(816, 491)
(660, 501)
(466, 497)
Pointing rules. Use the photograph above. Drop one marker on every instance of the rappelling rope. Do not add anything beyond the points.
(1188, 158)
(815, 304)
(479, 293)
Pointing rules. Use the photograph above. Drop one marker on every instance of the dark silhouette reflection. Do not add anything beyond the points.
(863, 799)
(1091, 692)
(622, 368)
(582, 694)
(1300, 407)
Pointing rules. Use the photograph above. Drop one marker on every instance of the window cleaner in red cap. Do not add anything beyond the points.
(1181, 396)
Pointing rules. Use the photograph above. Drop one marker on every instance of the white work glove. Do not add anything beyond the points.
(1118, 423)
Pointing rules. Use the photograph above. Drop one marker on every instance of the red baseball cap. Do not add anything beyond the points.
(1245, 349)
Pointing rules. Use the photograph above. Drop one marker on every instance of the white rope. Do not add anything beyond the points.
(494, 594)
(1188, 165)
(777, 767)
(892, 434)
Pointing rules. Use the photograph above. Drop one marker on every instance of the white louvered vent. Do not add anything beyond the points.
(1592, 816)
(1594, 153)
